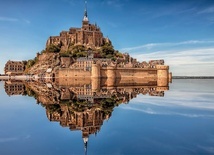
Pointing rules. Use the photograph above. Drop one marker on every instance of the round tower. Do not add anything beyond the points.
(95, 84)
(111, 76)
(162, 75)
(95, 71)
(95, 77)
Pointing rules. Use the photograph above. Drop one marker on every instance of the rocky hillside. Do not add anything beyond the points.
(43, 62)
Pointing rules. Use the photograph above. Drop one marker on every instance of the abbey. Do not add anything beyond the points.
(88, 35)
(97, 62)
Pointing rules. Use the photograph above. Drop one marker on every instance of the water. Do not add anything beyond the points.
(181, 122)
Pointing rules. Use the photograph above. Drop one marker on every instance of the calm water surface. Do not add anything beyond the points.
(181, 122)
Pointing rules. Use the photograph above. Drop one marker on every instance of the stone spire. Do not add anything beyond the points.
(85, 18)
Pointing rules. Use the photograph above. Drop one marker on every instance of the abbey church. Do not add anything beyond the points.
(88, 35)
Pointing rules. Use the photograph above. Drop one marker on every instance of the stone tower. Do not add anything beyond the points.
(85, 20)
(88, 35)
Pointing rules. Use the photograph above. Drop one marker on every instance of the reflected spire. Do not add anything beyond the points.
(85, 140)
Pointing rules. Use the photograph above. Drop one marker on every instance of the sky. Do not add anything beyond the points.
(179, 31)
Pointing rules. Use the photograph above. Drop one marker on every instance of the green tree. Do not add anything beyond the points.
(65, 53)
(79, 51)
(53, 48)
(107, 49)
(30, 63)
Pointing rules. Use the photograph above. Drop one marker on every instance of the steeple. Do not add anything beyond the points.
(85, 18)
(85, 140)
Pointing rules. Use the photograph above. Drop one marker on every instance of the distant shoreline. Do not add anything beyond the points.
(193, 77)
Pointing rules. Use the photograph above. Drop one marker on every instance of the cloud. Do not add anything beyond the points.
(71, 2)
(26, 21)
(167, 44)
(154, 112)
(187, 10)
(207, 10)
(8, 19)
(196, 100)
(3, 140)
(113, 3)
(207, 13)
(173, 9)
(192, 58)
(183, 57)
(186, 103)
(209, 149)
(10, 139)
(184, 62)
(211, 20)
(111, 24)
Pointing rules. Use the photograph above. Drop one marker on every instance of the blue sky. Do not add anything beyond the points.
(180, 32)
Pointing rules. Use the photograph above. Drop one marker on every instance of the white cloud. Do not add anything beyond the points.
(167, 44)
(192, 58)
(8, 19)
(186, 103)
(202, 100)
(71, 2)
(26, 21)
(207, 10)
(3, 140)
(209, 149)
(113, 3)
(112, 24)
(10, 139)
(211, 19)
(154, 112)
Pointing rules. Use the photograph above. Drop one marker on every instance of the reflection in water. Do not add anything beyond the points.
(82, 105)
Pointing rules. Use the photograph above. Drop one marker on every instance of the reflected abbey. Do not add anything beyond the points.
(82, 104)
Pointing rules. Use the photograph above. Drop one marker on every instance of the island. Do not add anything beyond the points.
(85, 54)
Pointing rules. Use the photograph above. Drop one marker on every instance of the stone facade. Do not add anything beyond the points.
(130, 71)
(14, 88)
(88, 35)
(14, 67)
(88, 121)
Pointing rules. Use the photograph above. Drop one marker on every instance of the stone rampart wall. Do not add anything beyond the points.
(70, 81)
(73, 73)
(110, 73)
(154, 76)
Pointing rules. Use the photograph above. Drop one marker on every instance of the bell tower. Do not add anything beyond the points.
(85, 20)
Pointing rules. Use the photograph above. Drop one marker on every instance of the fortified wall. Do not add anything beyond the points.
(111, 75)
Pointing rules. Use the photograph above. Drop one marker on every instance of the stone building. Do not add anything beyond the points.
(88, 35)
(14, 88)
(88, 121)
(14, 67)
(85, 63)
